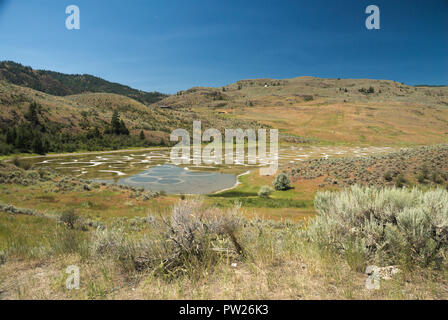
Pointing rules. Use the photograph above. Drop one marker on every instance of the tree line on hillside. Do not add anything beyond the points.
(34, 136)
(61, 84)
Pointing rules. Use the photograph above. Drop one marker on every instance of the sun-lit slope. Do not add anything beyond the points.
(85, 111)
(105, 101)
(341, 111)
(330, 109)
(335, 90)
(77, 113)
(374, 123)
(15, 101)
(136, 114)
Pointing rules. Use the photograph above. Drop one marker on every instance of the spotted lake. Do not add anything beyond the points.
(153, 170)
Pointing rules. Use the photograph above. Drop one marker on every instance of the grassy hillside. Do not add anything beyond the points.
(305, 109)
(83, 121)
(67, 124)
(80, 112)
(343, 111)
(60, 84)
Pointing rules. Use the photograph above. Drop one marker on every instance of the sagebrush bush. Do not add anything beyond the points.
(113, 243)
(265, 192)
(14, 210)
(386, 226)
(194, 228)
(110, 241)
(281, 182)
(194, 239)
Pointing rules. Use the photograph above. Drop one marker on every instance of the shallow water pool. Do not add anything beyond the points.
(174, 179)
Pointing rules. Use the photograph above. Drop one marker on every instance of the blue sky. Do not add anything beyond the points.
(170, 45)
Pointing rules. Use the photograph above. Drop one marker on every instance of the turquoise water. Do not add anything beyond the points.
(177, 180)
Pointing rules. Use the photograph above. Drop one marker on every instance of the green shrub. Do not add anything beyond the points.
(265, 192)
(437, 178)
(388, 176)
(281, 182)
(21, 164)
(308, 98)
(2, 258)
(386, 226)
(400, 181)
(421, 178)
(69, 218)
(425, 171)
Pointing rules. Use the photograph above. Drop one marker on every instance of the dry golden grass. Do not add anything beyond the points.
(15, 100)
(372, 123)
(305, 274)
(394, 114)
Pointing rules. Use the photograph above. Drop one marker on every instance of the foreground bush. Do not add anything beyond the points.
(385, 226)
(194, 239)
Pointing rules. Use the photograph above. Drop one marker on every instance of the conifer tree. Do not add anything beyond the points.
(37, 145)
(115, 122)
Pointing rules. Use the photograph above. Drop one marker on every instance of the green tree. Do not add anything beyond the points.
(142, 135)
(69, 218)
(11, 136)
(23, 138)
(37, 145)
(115, 122)
(31, 115)
(123, 129)
(96, 132)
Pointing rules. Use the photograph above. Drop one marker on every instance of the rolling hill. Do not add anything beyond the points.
(32, 120)
(354, 111)
(77, 113)
(60, 84)
(305, 109)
